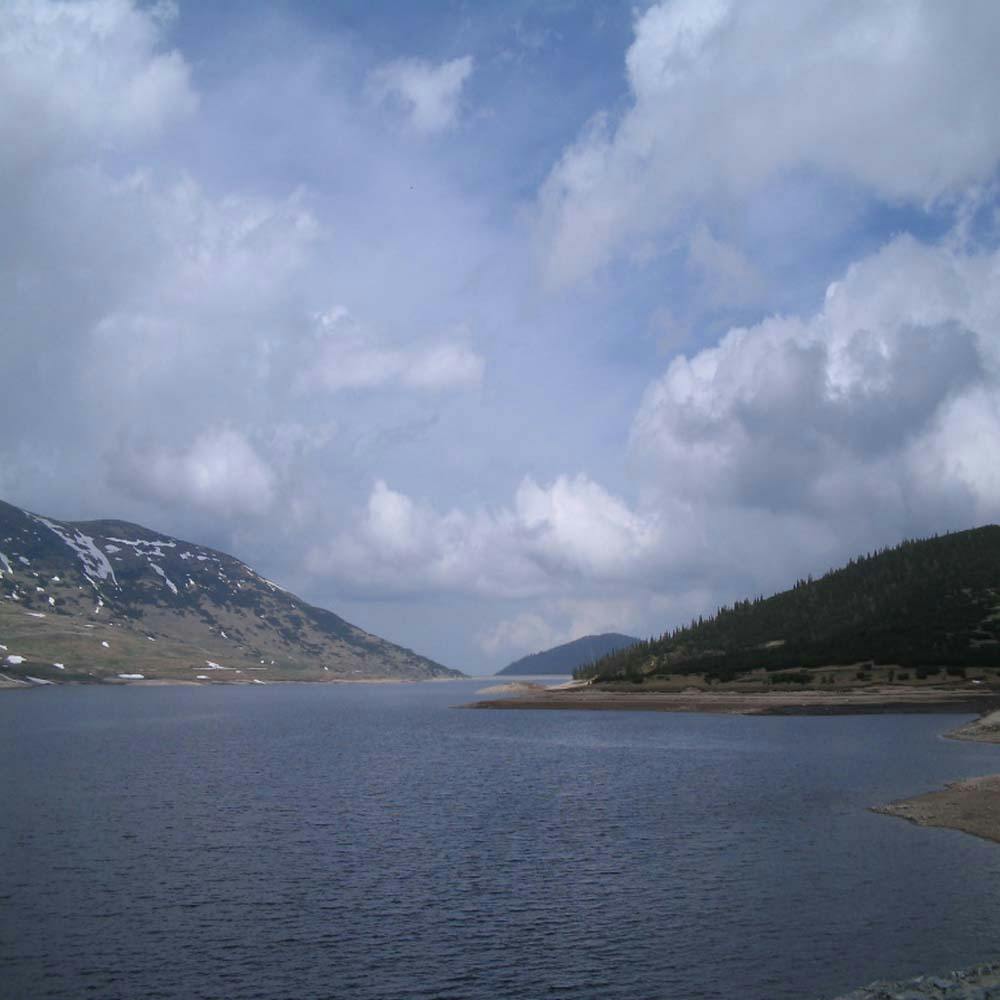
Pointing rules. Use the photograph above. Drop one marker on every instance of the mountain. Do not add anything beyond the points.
(95, 600)
(924, 604)
(568, 657)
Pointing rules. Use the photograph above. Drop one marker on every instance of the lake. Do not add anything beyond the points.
(370, 841)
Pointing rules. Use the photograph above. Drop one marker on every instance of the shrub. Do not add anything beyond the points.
(791, 677)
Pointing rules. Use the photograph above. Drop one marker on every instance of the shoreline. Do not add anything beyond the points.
(970, 805)
(962, 701)
(8, 683)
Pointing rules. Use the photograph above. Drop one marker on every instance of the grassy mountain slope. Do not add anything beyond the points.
(93, 600)
(569, 656)
(934, 602)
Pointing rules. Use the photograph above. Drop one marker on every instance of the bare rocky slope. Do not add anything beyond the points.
(109, 600)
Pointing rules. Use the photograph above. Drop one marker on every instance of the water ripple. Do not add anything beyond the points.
(370, 843)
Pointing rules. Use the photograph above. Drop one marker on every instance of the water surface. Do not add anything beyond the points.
(369, 841)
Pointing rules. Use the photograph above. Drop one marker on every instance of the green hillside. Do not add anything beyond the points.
(928, 603)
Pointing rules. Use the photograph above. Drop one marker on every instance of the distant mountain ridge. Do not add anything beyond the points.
(107, 600)
(569, 656)
(923, 604)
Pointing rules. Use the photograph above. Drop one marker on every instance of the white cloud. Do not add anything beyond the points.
(524, 633)
(428, 93)
(563, 621)
(90, 71)
(874, 418)
(727, 276)
(786, 448)
(160, 265)
(898, 97)
(444, 365)
(165, 304)
(575, 526)
(572, 529)
(347, 357)
(220, 472)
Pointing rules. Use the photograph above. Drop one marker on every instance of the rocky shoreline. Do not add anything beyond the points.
(981, 982)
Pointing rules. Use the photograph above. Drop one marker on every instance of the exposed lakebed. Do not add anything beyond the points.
(370, 842)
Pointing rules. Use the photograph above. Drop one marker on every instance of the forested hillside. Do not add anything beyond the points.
(932, 602)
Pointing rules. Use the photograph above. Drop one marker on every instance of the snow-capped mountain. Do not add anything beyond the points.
(108, 600)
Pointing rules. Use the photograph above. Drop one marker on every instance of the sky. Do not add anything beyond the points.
(490, 325)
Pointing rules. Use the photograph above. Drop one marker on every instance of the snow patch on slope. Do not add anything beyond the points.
(93, 559)
(166, 579)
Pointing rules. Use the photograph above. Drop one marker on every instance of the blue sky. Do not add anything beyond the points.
(489, 325)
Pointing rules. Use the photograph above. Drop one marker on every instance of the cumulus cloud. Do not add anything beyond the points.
(575, 526)
(166, 258)
(220, 472)
(571, 529)
(428, 93)
(785, 448)
(876, 416)
(725, 96)
(164, 303)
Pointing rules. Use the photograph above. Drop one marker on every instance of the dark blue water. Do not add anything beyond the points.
(371, 842)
